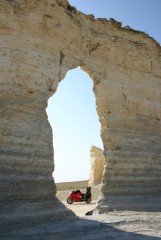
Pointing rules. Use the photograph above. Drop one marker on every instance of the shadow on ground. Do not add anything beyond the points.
(73, 228)
(39, 221)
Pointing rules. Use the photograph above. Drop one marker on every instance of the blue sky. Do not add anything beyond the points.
(71, 111)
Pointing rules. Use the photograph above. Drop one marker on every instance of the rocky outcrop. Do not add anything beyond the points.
(97, 166)
(40, 41)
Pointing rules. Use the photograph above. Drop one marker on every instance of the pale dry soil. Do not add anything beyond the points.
(113, 225)
(79, 208)
(124, 225)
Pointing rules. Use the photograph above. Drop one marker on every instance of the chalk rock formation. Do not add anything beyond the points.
(40, 41)
(97, 166)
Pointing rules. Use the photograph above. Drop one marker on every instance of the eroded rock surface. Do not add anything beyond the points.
(39, 42)
(97, 166)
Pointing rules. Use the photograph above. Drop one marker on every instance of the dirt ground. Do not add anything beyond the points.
(80, 208)
(123, 225)
(114, 225)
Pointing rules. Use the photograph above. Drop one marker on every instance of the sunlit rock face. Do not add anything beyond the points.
(97, 166)
(40, 41)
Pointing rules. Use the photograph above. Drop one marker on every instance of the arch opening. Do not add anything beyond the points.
(72, 115)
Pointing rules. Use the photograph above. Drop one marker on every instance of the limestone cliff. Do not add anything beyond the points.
(39, 42)
(97, 166)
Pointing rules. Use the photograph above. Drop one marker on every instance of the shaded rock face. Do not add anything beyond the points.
(39, 42)
(97, 166)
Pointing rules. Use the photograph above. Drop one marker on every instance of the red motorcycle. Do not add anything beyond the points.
(78, 196)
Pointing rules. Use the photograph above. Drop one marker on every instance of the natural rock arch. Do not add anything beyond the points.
(41, 41)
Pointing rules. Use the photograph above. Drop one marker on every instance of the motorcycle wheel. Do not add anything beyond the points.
(69, 200)
(88, 200)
